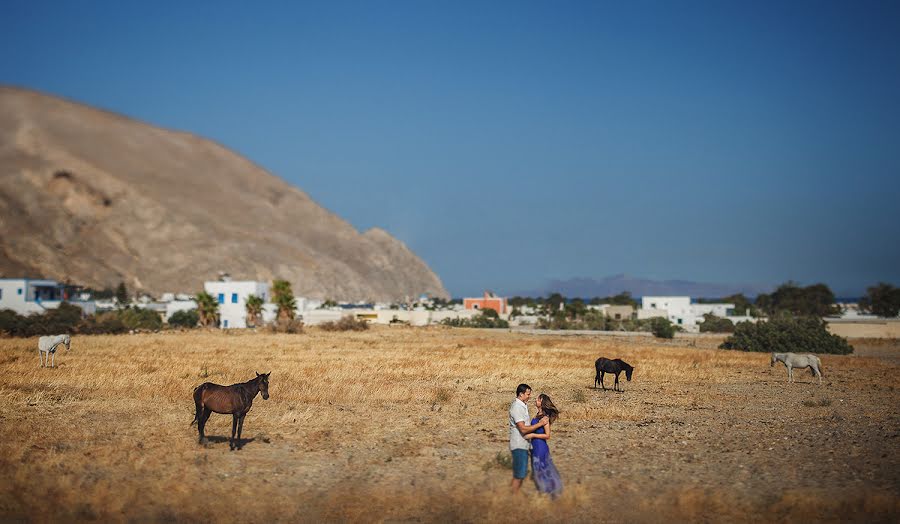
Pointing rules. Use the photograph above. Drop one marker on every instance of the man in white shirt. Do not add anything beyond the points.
(518, 428)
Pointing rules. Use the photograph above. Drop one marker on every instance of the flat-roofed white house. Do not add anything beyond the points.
(26, 296)
(232, 298)
(681, 312)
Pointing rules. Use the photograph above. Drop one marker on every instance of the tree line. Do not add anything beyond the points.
(882, 299)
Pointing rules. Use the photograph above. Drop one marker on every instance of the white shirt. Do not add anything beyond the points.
(518, 412)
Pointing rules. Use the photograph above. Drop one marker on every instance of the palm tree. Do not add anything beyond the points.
(283, 298)
(207, 309)
(254, 310)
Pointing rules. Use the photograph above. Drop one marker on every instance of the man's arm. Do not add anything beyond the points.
(525, 429)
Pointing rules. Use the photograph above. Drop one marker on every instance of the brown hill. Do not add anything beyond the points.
(98, 198)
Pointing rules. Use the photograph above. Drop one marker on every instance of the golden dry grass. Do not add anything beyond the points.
(406, 424)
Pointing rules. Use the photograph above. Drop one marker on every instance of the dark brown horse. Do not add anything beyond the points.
(605, 365)
(235, 399)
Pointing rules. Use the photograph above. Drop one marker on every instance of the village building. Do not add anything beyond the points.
(488, 301)
(681, 311)
(28, 296)
(231, 296)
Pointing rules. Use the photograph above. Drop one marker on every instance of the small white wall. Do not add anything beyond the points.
(320, 316)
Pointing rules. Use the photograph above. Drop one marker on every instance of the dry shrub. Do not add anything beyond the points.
(286, 325)
(347, 323)
(578, 396)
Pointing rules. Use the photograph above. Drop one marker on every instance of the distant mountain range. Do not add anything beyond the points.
(638, 287)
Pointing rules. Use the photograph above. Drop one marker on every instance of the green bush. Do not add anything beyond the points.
(184, 319)
(662, 328)
(882, 300)
(482, 320)
(557, 321)
(103, 323)
(816, 300)
(787, 335)
(714, 324)
(139, 318)
(64, 319)
(11, 323)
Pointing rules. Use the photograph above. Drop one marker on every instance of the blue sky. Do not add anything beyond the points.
(510, 143)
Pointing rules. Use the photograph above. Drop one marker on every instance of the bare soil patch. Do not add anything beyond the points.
(409, 424)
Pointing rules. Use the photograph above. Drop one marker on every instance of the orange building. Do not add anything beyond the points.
(489, 301)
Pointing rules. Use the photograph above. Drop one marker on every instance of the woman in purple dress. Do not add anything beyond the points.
(542, 469)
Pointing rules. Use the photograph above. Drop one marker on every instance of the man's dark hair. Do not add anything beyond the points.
(522, 389)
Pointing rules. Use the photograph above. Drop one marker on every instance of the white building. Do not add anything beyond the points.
(681, 312)
(232, 299)
(26, 296)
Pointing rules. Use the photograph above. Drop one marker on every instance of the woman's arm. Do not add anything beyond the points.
(543, 436)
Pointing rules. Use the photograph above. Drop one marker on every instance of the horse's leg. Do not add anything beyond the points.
(201, 424)
(233, 430)
(41, 357)
(616, 386)
(240, 429)
(790, 374)
(53, 359)
(602, 385)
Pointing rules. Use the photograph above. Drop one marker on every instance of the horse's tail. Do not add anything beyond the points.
(198, 402)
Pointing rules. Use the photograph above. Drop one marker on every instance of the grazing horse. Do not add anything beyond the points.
(793, 360)
(605, 365)
(48, 345)
(235, 399)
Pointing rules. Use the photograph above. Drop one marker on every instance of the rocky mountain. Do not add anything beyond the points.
(98, 198)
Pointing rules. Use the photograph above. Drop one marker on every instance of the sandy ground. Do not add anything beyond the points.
(886, 329)
(407, 424)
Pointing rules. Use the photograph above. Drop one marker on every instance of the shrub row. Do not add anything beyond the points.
(787, 335)
(488, 318)
(69, 319)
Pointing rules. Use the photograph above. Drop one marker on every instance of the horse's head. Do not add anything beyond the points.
(263, 384)
(67, 341)
(628, 371)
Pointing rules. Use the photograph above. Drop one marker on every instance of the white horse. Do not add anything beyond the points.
(49, 344)
(793, 360)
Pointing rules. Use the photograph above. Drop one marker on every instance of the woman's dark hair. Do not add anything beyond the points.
(522, 389)
(548, 407)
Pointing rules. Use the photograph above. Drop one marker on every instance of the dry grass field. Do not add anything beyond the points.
(406, 424)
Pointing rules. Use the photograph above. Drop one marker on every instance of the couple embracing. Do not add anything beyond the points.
(533, 433)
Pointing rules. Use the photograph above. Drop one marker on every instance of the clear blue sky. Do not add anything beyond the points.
(515, 142)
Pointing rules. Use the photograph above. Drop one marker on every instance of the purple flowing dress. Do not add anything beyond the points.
(542, 469)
